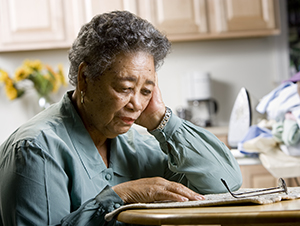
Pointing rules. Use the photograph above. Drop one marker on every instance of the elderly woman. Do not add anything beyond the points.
(80, 159)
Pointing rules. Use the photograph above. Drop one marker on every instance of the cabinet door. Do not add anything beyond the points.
(175, 17)
(241, 15)
(85, 10)
(256, 176)
(33, 24)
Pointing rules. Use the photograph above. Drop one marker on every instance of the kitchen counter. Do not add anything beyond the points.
(243, 159)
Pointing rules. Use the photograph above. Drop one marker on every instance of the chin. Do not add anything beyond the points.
(123, 130)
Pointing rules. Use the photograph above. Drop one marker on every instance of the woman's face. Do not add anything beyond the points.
(117, 98)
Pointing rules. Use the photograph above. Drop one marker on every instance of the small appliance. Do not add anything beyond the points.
(202, 112)
(243, 115)
(201, 107)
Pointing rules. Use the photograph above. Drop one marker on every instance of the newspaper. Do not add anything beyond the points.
(213, 200)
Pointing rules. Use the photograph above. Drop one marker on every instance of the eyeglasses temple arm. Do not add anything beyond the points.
(282, 186)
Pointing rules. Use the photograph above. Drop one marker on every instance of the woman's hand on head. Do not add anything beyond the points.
(154, 189)
(154, 112)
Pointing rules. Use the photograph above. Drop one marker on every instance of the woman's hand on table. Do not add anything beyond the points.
(154, 189)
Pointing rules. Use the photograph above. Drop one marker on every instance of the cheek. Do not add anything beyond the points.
(120, 99)
(146, 101)
(117, 102)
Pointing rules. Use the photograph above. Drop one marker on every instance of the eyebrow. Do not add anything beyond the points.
(133, 79)
(150, 82)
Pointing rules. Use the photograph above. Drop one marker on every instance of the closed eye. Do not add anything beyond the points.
(127, 89)
(146, 92)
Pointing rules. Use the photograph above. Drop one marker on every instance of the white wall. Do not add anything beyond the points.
(258, 64)
(232, 64)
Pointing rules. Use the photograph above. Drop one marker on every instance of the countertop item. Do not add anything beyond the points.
(240, 118)
(243, 159)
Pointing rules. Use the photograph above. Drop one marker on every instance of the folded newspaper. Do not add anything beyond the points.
(213, 200)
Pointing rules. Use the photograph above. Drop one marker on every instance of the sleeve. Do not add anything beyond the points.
(199, 155)
(31, 195)
(93, 211)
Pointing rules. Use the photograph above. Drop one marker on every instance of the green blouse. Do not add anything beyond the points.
(51, 172)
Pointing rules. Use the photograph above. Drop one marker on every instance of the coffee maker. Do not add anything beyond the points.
(201, 107)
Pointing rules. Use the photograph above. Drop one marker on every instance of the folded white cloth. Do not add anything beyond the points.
(253, 132)
(281, 100)
(272, 158)
(287, 132)
(286, 100)
(281, 165)
(265, 101)
(296, 112)
(292, 150)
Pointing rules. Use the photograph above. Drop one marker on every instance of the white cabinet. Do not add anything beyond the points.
(50, 24)
(184, 20)
(243, 17)
(85, 10)
(176, 17)
(34, 24)
(256, 176)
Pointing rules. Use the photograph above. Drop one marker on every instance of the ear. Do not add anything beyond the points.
(81, 77)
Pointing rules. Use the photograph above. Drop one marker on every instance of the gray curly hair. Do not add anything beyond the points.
(109, 34)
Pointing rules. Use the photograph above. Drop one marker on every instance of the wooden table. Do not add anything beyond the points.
(284, 213)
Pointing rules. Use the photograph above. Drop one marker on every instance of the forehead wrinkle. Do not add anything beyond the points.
(133, 79)
(127, 78)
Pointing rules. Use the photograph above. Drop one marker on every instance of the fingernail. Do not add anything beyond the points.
(184, 199)
(199, 197)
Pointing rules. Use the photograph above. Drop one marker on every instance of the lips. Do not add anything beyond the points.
(127, 120)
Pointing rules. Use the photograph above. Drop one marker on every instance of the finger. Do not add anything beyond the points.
(164, 195)
(185, 191)
(156, 92)
(177, 188)
(178, 191)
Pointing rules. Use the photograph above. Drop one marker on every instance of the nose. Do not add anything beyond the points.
(135, 102)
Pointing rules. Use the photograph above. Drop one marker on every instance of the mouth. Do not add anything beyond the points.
(128, 120)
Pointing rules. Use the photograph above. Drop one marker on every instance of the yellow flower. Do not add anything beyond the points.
(35, 65)
(11, 91)
(61, 74)
(55, 82)
(44, 79)
(54, 78)
(3, 76)
(22, 73)
(49, 69)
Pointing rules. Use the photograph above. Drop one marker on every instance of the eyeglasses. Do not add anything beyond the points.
(281, 188)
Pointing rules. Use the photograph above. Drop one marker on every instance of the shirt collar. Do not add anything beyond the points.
(82, 142)
(85, 148)
(118, 160)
